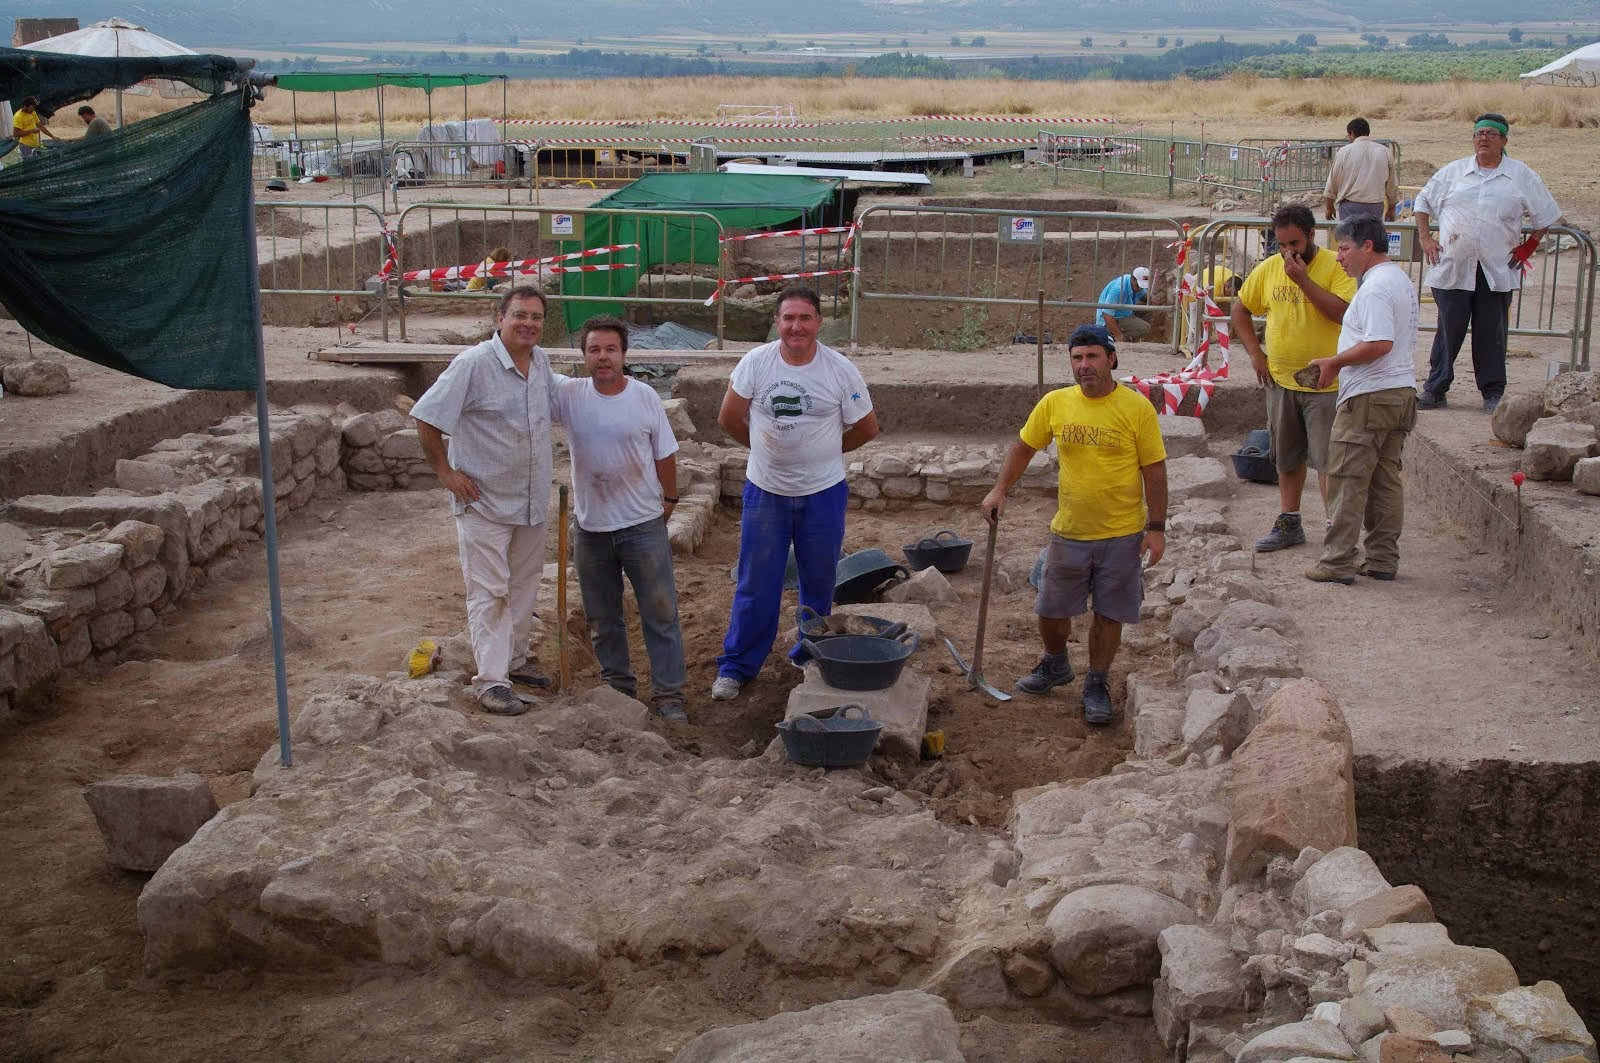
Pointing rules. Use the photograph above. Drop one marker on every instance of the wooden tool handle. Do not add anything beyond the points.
(983, 602)
(565, 673)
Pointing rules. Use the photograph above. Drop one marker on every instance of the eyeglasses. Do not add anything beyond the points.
(1486, 134)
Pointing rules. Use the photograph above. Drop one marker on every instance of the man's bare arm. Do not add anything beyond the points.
(734, 416)
(1011, 470)
(455, 481)
(667, 473)
(861, 432)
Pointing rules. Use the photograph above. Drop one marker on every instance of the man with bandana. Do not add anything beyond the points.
(1478, 258)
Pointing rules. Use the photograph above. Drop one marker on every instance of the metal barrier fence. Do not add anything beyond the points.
(455, 164)
(434, 236)
(336, 258)
(1556, 300)
(968, 255)
(597, 165)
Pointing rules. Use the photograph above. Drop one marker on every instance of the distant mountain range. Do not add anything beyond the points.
(291, 23)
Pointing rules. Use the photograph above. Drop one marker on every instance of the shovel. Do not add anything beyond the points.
(974, 674)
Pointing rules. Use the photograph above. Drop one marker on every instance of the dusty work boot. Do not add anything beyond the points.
(1096, 699)
(1286, 531)
(500, 701)
(669, 707)
(1320, 573)
(1368, 571)
(1427, 400)
(1052, 671)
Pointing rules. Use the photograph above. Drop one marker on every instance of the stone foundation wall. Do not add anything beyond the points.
(106, 566)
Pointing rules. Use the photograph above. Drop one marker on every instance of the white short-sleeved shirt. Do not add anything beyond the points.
(616, 441)
(1479, 214)
(1385, 308)
(798, 415)
(499, 428)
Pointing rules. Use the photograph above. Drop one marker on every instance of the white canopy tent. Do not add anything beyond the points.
(1580, 68)
(116, 38)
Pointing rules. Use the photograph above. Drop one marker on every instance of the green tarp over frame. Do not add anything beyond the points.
(737, 201)
(332, 82)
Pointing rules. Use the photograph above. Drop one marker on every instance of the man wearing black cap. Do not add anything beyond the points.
(1111, 510)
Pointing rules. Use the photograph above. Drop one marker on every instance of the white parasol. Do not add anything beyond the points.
(116, 38)
(1580, 68)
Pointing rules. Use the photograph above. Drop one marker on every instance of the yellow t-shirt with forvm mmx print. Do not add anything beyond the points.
(1101, 444)
(1297, 331)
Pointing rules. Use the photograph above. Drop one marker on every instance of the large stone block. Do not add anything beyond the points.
(1516, 414)
(1310, 1039)
(1211, 719)
(36, 377)
(1196, 477)
(1554, 447)
(1534, 1021)
(1397, 904)
(1104, 938)
(1244, 663)
(1338, 880)
(148, 582)
(1294, 783)
(902, 708)
(108, 629)
(1436, 979)
(360, 430)
(1571, 391)
(144, 819)
(147, 476)
(678, 418)
(35, 658)
(905, 1027)
(82, 565)
(113, 592)
(141, 542)
(1157, 711)
(1200, 976)
(1586, 476)
(926, 587)
(1183, 436)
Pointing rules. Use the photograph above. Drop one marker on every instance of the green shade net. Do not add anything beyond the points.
(58, 80)
(132, 249)
(353, 82)
(737, 201)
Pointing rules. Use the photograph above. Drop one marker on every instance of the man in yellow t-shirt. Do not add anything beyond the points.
(1303, 292)
(27, 125)
(1111, 509)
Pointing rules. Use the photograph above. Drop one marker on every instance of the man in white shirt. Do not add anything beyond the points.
(493, 401)
(799, 406)
(624, 484)
(1362, 182)
(1480, 202)
(1377, 407)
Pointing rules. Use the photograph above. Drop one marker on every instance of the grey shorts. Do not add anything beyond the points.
(1106, 569)
(1301, 422)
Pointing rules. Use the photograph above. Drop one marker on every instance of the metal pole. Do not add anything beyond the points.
(268, 501)
(1041, 343)
(383, 172)
(505, 115)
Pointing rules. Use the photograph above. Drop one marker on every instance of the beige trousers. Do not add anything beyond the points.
(501, 564)
(1364, 481)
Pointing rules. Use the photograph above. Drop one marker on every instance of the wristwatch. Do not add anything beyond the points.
(1156, 525)
(669, 498)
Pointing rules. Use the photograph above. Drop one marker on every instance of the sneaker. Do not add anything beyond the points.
(500, 701)
(528, 675)
(1490, 403)
(726, 688)
(1051, 671)
(1372, 573)
(670, 709)
(1319, 573)
(1286, 531)
(1096, 699)
(1427, 400)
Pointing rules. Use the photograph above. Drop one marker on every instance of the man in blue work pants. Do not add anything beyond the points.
(800, 407)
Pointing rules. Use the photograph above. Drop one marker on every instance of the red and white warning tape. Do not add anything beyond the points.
(511, 267)
(637, 122)
(1198, 374)
(775, 277)
(818, 231)
(391, 256)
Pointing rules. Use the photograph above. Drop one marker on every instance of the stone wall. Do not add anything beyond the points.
(104, 567)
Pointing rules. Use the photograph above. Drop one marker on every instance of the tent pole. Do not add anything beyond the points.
(268, 501)
(504, 114)
(383, 157)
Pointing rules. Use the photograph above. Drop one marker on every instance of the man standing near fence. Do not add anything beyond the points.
(1304, 293)
(493, 401)
(1377, 407)
(1362, 183)
(624, 485)
(800, 407)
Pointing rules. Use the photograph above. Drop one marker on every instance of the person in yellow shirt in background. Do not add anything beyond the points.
(1111, 511)
(482, 282)
(27, 125)
(1304, 293)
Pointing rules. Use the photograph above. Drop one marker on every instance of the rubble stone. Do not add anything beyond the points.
(905, 1027)
(144, 819)
(1516, 414)
(1555, 447)
(1535, 1021)
(38, 377)
(1104, 937)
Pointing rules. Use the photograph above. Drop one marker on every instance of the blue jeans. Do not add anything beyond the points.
(643, 553)
(814, 524)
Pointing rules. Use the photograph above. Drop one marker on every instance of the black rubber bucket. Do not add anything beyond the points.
(831, 738)
(859, 575)
(945, 554)
(861, 662)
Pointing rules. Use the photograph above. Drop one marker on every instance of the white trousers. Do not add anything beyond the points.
(502, 565)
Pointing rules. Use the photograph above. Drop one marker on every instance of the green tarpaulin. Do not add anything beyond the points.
(130, 250)
(331, 82)
(737, 201)
(58, 79)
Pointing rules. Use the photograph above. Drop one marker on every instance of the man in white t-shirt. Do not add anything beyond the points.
(624, 483)
(799, 407)
(1377, 407)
